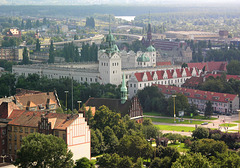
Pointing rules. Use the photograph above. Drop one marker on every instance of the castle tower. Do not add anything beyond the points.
(123, 91)
(151, 52)
(149, 32)
(110, 66)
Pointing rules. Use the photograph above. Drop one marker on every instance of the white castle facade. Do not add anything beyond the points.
(111, 66)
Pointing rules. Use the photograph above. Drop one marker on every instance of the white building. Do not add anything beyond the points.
(177, 77)
(112, 64)
(221, 102)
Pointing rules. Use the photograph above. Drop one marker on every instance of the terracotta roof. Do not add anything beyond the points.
(164, 63)
(6, 109)
(210, 66)
(160, 73)
(198, 94)
(31, 119)
(193, 81)
(112, 104)
(36, 99)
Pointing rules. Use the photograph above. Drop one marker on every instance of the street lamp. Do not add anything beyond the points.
(174, 96)
(79, 102)
(66, 99)
(239, 120)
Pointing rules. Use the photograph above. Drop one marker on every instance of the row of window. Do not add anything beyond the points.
(20, 129)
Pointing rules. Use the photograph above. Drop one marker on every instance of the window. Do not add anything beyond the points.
(32, 130)
(64, 136)
(134, 85)
(15, 137)
(10, 137)
(20, 129)
(26, 130)
(3, 142)
(56, 133)
(3, 132)
(20, 138)
(15, 129)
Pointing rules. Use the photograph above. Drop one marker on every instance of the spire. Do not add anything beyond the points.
(110, 39)
(123, 90)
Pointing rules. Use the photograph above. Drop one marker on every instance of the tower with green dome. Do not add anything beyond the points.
(110, 65)
(123, 91)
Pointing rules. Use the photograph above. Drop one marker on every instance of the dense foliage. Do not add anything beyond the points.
(34, 82)
(42, 150)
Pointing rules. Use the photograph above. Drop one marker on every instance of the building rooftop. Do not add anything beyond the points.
(198, 94)
(31, 119)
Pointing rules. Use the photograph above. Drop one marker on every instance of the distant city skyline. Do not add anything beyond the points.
(112, 2)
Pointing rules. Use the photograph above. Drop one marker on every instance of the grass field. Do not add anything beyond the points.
(175, 128)
(168, 120)
(237, 121)
(194, 117)
(180, 146)
(228, 125)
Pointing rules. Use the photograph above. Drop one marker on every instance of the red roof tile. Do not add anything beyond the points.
(164, 63)
(31, 118)
(160, 73)
(210, 66)
(203, 95)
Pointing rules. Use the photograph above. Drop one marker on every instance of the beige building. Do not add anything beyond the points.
(191, 35)
(11, 53)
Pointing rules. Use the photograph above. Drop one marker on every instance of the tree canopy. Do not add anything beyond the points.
(42, 150)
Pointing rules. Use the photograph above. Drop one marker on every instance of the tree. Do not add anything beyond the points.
(38, 46)
(84, 163)
(196, 160)
(44, 151)
(208, 109)
(233, 68)
(51, 53)
(184, 65)
(200, 133)
(134, 146)
(25, 56)
(110, 139)
(209, 147)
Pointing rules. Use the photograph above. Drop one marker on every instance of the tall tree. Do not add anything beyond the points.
(44, 151)
(51, 53)
(25, 56)
(38, 46)
(208, 109)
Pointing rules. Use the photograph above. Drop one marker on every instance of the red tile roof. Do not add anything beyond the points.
(193, 81)
(160, 73)
(36, 98)
(164, 63)
(210, 66)
(202, 95)
(31, 119)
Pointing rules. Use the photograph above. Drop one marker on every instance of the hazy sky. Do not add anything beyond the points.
(135, 2)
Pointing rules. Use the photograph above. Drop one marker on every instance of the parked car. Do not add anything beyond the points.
(205, 123)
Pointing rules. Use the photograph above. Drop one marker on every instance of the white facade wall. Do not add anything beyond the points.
(134, 85)
(79, 138)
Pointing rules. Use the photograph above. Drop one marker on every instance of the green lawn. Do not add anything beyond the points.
(201, 117)
(237, 121)
(194, 117)
(228, 125)
(180, 146)
(168, 120)
(175, 128)
(152, 114)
